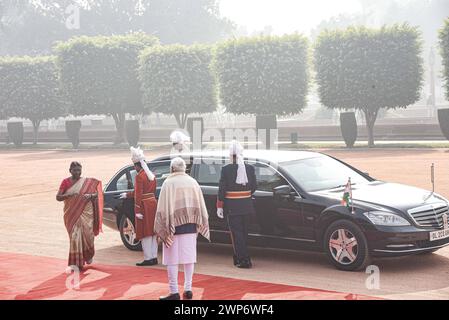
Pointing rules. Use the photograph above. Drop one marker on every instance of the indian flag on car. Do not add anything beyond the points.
(347, 195)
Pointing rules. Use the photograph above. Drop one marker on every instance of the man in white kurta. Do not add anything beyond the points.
(181, 215)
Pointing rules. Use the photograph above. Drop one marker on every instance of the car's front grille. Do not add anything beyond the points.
(430, 216)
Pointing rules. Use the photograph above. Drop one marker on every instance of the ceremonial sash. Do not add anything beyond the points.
(238, 195)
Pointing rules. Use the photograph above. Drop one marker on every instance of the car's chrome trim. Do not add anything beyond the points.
(412, 250)
(430, 211)
(117, 191)
(400, 245)
(283, 238)
(427, 207)
(268, 236)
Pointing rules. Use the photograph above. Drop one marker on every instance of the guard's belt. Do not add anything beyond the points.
(238, 194)
(148, 195)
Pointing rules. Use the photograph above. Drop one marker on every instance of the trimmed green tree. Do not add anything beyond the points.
(99, 75)
(263, 75)
(72, 130)
(15, 133)
(177, 80)
(444, 49)
(443, 114)
(348, 127)
(29, 88)
(369, 69)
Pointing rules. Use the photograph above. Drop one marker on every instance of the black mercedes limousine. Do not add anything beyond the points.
(298, 207)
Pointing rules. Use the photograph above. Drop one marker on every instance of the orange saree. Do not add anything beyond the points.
(83, 220)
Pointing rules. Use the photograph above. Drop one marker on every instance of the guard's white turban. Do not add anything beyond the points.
(137, 156)
(178, 165)
(236, 149)
(179, 138)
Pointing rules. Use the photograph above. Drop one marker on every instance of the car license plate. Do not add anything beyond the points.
(441, 234)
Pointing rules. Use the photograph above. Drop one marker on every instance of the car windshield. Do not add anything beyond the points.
(321, 173)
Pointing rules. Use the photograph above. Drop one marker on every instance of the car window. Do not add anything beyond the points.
(267, 178)
(209, 174)
(133, 174)
(321, 173)
(123, 184)
(161, 170)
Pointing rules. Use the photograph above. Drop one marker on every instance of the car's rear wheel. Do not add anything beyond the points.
(128, 234)
(346, 246)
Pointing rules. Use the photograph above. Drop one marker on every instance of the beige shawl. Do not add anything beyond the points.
(180, 202)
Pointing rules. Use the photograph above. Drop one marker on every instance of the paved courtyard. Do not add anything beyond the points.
(31, 223)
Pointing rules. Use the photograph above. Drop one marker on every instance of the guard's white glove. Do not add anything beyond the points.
(123, 195)
(220, 213)
(139, 216)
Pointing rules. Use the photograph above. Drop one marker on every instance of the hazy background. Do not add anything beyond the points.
(305, 16)
(31, 27)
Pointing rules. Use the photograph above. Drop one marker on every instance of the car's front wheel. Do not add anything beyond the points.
(128, 234)
(346, 246)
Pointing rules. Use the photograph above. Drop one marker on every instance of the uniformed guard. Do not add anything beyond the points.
(237, 185)
(145, 205)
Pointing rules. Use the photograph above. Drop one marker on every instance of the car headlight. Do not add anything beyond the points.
(385, 219)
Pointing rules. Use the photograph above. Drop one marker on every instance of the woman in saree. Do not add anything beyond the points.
(83, 212)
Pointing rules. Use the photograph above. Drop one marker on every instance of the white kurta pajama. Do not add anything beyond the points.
(149, 247)
(181, 202)
(182, 251)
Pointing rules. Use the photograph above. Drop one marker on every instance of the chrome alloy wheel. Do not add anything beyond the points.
(343, 246)
(130, 233)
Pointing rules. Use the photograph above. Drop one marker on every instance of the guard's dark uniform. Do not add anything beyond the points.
(236, 201)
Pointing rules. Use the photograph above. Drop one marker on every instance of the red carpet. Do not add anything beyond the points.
(25, 277)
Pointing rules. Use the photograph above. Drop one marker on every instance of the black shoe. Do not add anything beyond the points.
(236, 260)
(187, 295)
(146, 263)
(174, 296)
(245, 264)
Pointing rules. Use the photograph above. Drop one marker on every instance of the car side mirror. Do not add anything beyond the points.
(283, 191)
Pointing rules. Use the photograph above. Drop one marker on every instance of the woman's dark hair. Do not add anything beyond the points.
(75, 164)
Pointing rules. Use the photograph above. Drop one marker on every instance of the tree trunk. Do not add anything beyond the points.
(181, 119)
(370, 117)
(119, 119)
(36, 124)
